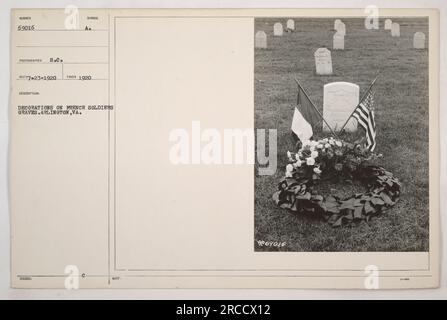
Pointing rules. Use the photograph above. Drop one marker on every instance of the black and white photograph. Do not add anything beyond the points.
(292, 147)
(350, 102)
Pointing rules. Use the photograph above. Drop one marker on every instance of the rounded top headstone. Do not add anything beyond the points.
(323, 61)
(395, 29)
(261, 39)
(419, 34)
(291, 24)
(388, 23)
(339, 101)
(419, 40)
(277, 29)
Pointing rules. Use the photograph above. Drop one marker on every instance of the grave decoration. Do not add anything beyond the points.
(335, 160)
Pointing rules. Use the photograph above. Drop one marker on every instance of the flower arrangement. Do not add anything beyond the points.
(331, 158)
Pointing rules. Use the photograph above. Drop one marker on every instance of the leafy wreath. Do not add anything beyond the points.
(331, 158)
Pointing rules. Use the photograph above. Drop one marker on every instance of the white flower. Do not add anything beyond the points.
(297, 164)
(310, 161)
(289, 168)
(320, 146)
(314, 154)
(297, 156)
(289, 155)
(338, 143)
(327, 145)
(289, 175)
(312, 148)
(325, 140)
(331, 141)
(317, 170)
(313, 143)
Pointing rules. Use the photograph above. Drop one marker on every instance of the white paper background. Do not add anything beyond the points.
(7, 293)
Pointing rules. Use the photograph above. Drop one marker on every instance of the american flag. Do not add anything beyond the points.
(364, 113)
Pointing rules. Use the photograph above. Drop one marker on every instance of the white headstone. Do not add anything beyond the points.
(323, 61)
(419, 40)
(291, 24)
(341, 28)
(340, 99)
(260, 40)
(339, 41)
(388, 24)
(395, 30)
(336, 22)
(277, 29)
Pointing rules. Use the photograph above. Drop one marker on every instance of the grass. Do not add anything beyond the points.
(402, 129)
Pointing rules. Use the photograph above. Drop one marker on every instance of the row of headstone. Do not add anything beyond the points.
(393, 27)
(323, 60)
(278, 29)
(418, 37)
(261, 37)
(338, 39)
(341, 98)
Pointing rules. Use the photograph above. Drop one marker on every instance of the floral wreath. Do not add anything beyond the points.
(331, 158)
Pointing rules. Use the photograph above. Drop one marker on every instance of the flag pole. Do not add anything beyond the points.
(361, 100)
(311, 102)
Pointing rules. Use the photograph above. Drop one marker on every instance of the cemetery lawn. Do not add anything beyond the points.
(402, 129)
